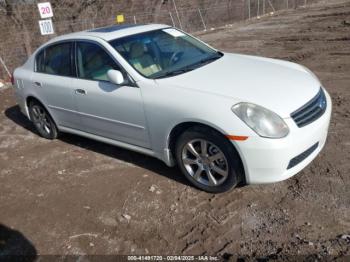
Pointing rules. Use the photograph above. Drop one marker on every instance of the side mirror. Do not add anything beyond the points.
(115, 77)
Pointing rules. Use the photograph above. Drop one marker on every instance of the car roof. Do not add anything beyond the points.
(109, 33)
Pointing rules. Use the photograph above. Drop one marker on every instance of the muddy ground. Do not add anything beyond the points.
(77, 196)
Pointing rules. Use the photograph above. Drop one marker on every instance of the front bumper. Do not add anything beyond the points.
(269, 160)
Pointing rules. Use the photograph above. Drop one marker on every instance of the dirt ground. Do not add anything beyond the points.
(77, 196)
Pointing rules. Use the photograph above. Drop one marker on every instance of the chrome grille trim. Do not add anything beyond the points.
(311, 111)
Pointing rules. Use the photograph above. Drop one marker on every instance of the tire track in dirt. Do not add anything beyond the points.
(303, 55)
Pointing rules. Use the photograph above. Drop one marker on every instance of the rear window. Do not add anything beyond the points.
(55, 60)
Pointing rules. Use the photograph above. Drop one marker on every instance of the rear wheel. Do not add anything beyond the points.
(42, 121)
(208, 160)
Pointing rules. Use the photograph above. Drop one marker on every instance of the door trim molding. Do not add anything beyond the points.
(96, 117)
(109, 141)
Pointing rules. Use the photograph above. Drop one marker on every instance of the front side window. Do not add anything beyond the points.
(163, 53)
(55, 60)
(93, 62)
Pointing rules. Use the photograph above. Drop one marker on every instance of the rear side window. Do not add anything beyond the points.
(93, 62)
(40, 63)
(56, 60)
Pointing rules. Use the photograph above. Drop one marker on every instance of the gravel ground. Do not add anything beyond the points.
(78, 196)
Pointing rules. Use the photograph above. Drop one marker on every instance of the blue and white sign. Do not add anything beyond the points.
(46, 27)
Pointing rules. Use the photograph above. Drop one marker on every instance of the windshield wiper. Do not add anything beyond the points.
(191, 67)
(175, 72)
(208, 60)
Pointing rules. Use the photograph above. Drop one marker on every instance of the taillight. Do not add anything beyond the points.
(12, 80)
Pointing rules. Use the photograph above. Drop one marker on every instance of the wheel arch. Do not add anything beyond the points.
(31, 98)
(180, 128)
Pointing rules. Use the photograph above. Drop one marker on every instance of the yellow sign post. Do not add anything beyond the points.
(120, 19)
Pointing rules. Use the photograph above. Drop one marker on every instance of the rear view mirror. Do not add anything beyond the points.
(115, 77)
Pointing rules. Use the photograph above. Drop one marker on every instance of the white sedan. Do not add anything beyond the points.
(223, 118)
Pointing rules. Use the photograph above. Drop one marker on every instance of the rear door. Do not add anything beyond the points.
(52, 82)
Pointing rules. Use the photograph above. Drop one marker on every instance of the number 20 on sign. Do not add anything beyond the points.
(45, 10)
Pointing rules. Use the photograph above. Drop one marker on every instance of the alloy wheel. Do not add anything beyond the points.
(205, 162)
(41, 119)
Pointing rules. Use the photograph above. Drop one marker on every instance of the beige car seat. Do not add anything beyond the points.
(93, 67)
(143, 62)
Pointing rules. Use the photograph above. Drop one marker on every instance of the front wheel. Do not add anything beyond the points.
(208, 160)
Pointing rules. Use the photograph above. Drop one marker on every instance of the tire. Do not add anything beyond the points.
(219, 162)
(42, 121)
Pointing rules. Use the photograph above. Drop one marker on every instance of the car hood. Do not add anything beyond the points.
(277, 85)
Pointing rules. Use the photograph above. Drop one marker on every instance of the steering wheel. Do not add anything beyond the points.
(175, 57)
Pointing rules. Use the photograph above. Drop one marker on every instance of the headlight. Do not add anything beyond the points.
(263, 121)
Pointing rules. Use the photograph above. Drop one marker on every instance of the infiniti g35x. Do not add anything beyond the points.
(223, 118)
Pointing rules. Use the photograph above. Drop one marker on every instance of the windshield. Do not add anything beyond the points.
(164, 53)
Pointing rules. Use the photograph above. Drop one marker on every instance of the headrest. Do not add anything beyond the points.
(137, 49)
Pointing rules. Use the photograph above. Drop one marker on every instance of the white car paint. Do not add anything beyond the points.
(205, 95)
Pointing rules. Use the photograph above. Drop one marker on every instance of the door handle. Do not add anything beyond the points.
(38, 84)
(80, 91)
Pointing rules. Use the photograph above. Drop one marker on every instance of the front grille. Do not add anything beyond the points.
(311, 111)
(296, 160)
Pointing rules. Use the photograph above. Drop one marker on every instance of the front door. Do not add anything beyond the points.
(105, 109)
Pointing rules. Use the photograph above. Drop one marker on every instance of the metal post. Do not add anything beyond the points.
(172, 19)
(6, 69)
(177, 14)
(287, 4)
(248, 9)
(271, 6)
(264, 7)
(135, 22)
(305, 2)
(258, 10)
(200, 14)
(243, 10)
